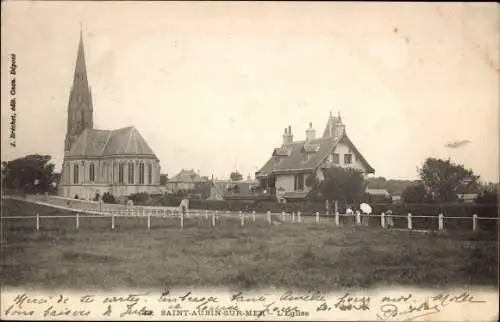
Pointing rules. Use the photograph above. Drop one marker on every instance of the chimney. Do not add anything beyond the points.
(287, 136)
(310, 133)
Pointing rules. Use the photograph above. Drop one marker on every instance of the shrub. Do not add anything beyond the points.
(141, 198)
(108, 197)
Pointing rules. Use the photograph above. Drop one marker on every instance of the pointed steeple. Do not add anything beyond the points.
(80, 76)
(80, 109)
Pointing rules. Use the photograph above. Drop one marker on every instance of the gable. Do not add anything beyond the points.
(346, 147)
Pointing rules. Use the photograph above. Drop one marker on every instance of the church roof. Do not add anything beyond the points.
(96, 143)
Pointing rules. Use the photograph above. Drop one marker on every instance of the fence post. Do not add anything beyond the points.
(213, 218)
(317, 217)
(113, 221)
(269, 216)
(149, 221)
(37, 222)
(77, 221)
(358, 218)
(409, 221)
(182, 219)
(382, 220)
(242, 219)
(206, 214)
(337, 219)
(282, 216)
(253, 216)
(299, 216)
(293, 216)
(474, 222)
(440, 222)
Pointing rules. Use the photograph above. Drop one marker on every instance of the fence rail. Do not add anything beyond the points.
(358, 219)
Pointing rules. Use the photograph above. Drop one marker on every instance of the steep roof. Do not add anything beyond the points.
(188, 176)
(124, 141)
(296, 160)
(302, 156)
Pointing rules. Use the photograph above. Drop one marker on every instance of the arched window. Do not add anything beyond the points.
(91, 172)
(131, 173)
(141, 173)
(75, 173)
(121, 168)
(150, 173)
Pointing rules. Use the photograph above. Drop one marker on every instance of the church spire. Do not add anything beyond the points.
(80, 76)
(80, 107)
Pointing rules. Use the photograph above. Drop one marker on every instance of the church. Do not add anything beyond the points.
(118, 161)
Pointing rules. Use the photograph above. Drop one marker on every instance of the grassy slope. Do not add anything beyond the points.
(303, 256)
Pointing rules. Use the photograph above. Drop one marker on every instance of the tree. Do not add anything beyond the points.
(345, 185)
(416, 193)
(394, 186)
(311, 181)
(444, 179)
(236, 176)
(32, 173)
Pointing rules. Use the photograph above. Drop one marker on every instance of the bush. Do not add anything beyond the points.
(107, 197)
(141, 198)
(487, 197)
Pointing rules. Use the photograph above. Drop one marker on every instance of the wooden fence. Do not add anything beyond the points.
(383, 220)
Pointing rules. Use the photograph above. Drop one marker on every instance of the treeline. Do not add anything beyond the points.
(394, 187)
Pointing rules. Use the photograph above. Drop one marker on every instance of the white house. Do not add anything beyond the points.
(286, 171)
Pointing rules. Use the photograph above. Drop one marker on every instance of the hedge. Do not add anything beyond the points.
(454, 209)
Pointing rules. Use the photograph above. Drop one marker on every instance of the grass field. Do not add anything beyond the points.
(299, 256)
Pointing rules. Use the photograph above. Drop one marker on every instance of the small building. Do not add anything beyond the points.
(378, 195)
(467, 197)
(235, 190)
(396, 199)
(186, 180)
(285, 173)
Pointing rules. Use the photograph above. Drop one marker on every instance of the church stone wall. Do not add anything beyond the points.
(106, 177)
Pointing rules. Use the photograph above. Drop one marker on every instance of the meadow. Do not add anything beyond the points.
(302, 256)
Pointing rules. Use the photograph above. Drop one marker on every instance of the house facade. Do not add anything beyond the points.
(286, 171)
(186, 180)
(98, 161)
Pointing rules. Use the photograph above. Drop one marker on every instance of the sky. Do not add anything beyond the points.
(211, 86)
